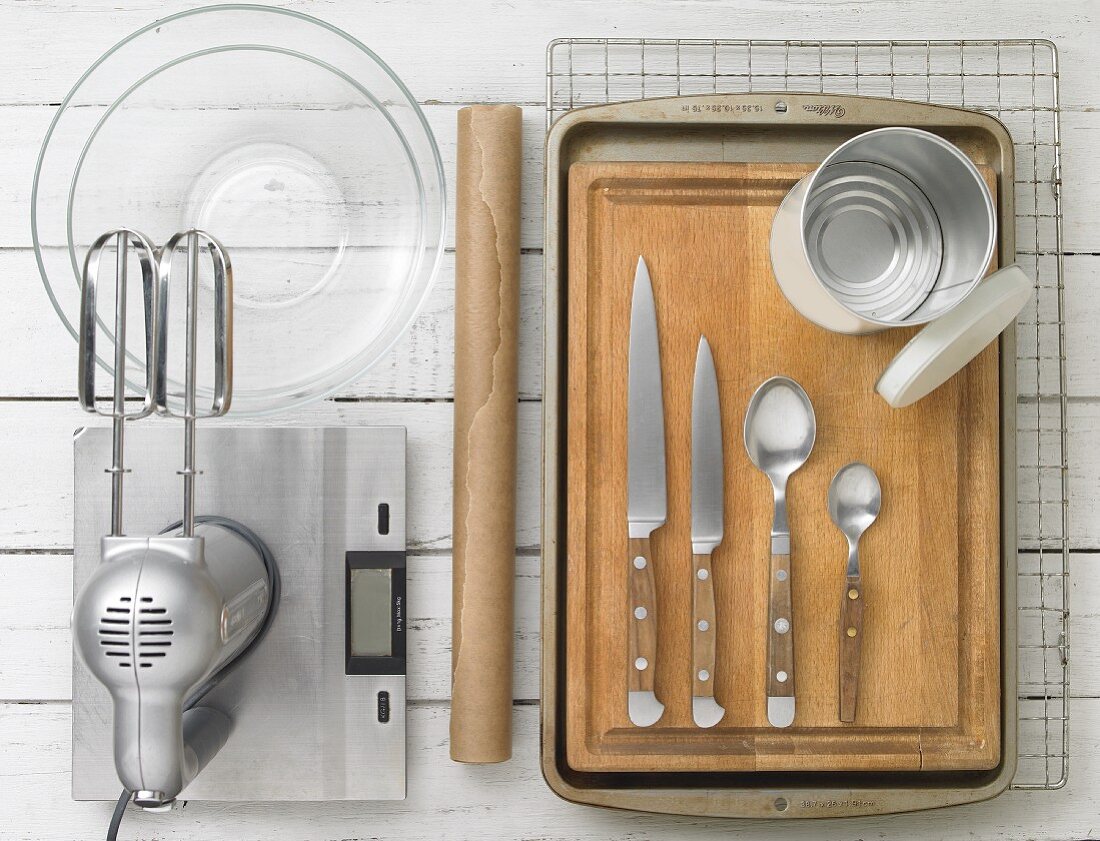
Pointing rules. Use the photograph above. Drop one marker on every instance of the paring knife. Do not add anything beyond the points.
(707, 502)
(647, 496)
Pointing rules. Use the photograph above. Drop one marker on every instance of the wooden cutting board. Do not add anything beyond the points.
(930, 678)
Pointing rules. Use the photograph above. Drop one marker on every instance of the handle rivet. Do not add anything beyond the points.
(640, 613)
(641, 664)
(782, 626)
(639, 562)
(704, 675)
(781, 575)
(851, 632)
(702, 574)
(781, 677)
(703, 625)
(853, 594)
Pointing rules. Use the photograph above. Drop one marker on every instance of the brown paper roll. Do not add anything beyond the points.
(486, 320)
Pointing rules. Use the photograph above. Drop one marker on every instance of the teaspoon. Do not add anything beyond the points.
(855, 498)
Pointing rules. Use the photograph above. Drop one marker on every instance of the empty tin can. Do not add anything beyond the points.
(894, 228)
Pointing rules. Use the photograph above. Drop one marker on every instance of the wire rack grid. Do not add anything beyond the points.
(1017, 82)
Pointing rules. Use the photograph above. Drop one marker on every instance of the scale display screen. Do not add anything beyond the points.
(371, 592)
(375, 613)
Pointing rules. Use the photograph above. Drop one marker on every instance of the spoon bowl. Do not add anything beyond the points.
(780, 428)
(855, 498)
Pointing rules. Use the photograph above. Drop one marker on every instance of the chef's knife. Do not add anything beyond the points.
(707, 501)
(647, 495)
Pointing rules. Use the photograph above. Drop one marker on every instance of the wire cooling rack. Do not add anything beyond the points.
(1017, 82)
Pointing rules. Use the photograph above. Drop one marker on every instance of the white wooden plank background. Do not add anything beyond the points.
(451, 54)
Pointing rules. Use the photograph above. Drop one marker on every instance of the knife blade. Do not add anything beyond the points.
(647, 495)
(707, 528)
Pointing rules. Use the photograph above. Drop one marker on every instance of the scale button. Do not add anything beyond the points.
(384, 707)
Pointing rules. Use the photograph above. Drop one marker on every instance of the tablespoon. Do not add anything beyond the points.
(855, 498)
(780, 428)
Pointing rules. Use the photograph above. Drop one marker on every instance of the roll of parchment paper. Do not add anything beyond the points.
(486, 320)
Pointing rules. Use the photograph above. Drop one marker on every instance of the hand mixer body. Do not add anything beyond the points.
(157, 621)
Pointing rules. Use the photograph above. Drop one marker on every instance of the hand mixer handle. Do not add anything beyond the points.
(163, 750)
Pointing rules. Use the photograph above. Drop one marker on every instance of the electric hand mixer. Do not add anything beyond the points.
(164, 617)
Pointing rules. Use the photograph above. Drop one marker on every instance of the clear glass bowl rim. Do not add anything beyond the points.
(295, 400)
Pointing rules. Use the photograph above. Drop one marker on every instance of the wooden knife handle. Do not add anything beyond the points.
(780, 630)
(851, 639)
(703, 644)
(643, 617)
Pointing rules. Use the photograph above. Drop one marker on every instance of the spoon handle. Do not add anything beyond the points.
(851, 639)
(780, 644)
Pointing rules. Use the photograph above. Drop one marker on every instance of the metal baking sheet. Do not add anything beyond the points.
(789, 127)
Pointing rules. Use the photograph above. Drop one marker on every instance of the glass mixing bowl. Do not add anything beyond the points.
(290, 142)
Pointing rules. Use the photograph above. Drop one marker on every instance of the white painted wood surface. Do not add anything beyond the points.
(450, 54)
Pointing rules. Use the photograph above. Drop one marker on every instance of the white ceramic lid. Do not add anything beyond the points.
(945, 346)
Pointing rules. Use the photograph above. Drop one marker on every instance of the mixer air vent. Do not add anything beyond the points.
(154, 632)
(154, 636)
(114, 632)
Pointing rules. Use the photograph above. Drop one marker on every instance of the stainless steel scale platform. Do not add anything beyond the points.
(312, 718)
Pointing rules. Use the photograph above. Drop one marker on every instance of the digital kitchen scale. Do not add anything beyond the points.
(318, 708)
